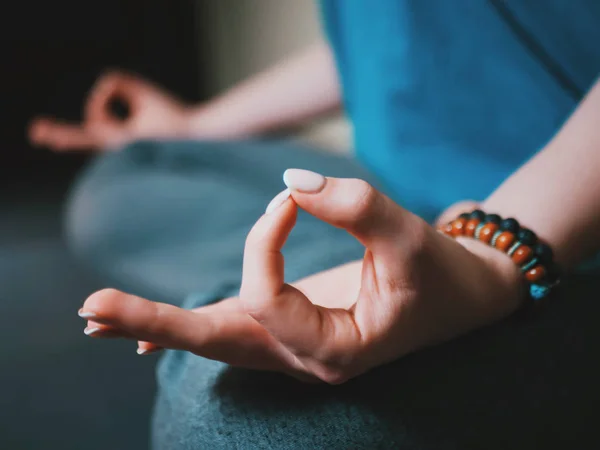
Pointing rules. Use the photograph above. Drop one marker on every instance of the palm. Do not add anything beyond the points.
(335, 288)
(241, 341)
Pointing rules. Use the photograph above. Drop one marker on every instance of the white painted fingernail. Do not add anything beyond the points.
(278, 201)
(147, 351)
(303, 180)
(90, 331)
(86, 314)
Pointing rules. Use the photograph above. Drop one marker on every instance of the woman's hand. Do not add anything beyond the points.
(296, 90)
(152, 113)
(414, 288)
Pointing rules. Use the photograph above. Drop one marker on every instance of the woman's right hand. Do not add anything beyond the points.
(152, 114)
(414, 288)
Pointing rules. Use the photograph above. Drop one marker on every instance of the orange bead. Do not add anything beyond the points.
(522, 255)
(535, 274)
(470, 227)
(504, 241)
(458, 227)
(447, 229)
(487, 232)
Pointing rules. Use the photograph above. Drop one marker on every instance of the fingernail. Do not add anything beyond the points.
(86, 314)
(303, 180)
(278, 201)
(89, 331)
(145, 351)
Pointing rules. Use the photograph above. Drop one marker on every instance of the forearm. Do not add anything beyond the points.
(301, 87)
(557, 193)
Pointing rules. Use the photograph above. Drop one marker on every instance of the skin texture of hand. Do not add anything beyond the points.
(153, 113)
(414, 288)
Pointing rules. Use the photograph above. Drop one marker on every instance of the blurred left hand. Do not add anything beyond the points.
(414, 288)
(153, 113)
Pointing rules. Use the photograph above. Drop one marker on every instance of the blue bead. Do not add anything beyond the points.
(543, 252)
(538, 292)
(527, 237)
(493, 218)
(478, 214)
(510, 225)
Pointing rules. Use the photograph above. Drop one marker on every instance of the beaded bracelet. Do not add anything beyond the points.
(534, 258)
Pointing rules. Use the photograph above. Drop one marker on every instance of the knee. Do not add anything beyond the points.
(87, 227)
(98, 203)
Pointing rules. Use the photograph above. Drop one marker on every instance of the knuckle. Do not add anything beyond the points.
(103, 298)
(154, 323)
(365, 198)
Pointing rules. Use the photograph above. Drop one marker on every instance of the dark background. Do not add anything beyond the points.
(59, 389)
(53, 51)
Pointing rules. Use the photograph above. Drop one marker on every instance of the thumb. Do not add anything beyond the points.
(109, 87)
(352, 204)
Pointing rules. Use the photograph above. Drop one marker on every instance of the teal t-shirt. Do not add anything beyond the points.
(448, 98)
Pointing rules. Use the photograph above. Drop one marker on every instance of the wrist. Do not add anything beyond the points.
(210, 121)
(501, 267)
(567, 237)
(198, 122)
(533, 256)
(228, 117)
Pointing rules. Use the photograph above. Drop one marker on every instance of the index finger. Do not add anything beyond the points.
(263, 273)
